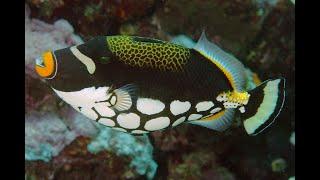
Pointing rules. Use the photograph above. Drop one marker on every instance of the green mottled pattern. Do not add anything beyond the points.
(148, 53)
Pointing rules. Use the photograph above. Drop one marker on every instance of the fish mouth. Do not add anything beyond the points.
(45, 65)
(39, 62)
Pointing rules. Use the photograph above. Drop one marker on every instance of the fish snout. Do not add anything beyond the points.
(46, 65)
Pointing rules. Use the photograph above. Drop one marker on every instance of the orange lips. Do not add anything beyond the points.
(48, 67)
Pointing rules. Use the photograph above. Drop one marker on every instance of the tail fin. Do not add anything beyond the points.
(265, 104)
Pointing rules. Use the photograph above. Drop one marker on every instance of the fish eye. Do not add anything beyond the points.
(46, 65)
(104, 60)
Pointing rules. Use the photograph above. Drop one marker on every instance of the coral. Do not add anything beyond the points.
(235, 30)
(198, 165)
(76, 162)
(278, 165)
(46, 6)
(123, 144)
(46, 134)
(262, 3)
(94, 17)
(128, 29)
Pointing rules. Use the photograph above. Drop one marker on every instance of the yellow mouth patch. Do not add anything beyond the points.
(49, 65)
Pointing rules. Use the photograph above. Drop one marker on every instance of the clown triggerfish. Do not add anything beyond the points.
(139, 85)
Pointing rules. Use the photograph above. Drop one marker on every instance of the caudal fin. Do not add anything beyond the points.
(265, 104)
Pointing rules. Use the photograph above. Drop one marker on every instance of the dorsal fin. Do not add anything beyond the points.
(231, 67)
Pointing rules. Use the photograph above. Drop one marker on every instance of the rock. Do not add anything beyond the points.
(138, 149)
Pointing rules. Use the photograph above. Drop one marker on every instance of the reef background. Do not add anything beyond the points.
(65, 145)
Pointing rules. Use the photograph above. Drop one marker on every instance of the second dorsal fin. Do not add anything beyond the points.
(231, 67)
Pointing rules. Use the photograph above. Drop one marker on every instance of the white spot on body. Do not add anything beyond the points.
(242, 109)
(149, 106)
(91, 67)
(139, 132)
(179, 121)
(222, 97)
(113, 100)
(157, 123)
(204, 106)
(89, 113)
(193, 117)
(177, 107)
(129, 121)
(230, 104)
(107, 122)
(215, 110)
(104, 110)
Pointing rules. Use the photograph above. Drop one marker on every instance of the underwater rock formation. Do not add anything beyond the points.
(93, 17)
(46, 134)
(138, 149)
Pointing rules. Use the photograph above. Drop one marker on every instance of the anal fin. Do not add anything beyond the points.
(219, 121)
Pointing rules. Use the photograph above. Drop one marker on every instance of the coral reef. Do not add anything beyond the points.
(278, 165)
(260, 33)
(137, 148)
(46, 134)
(198, 165)
(94, 17)
(76, 162)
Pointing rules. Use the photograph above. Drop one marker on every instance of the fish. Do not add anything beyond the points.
(139, 85)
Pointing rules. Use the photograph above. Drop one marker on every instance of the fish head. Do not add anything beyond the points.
(62, 70)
